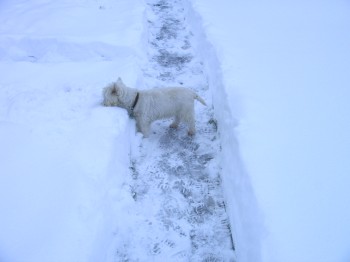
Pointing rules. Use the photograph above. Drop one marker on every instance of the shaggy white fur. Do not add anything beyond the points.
(150, 105)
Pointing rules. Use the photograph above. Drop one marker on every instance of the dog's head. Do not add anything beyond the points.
(113, 93)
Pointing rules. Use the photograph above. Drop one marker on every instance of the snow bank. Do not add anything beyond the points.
(284, 68)
(241, 205)
(64, 157)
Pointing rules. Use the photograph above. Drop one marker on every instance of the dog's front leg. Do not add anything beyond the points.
(175, 123)
(143, 126)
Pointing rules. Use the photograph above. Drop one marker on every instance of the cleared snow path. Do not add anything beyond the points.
(179, 210)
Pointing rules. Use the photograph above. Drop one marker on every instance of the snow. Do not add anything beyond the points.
(58, 144)
(285, 68)
(278, 73)
(175, 179)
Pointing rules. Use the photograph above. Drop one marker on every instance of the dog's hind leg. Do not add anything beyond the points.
(189, 120)
(191, 130)
(187, 117)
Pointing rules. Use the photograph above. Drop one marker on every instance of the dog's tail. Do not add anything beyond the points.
(197, 97)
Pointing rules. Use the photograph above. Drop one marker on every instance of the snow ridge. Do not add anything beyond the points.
(176, 185)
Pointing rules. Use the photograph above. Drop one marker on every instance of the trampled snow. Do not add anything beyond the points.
(279, 76)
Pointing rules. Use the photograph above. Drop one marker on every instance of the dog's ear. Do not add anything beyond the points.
(119, 81)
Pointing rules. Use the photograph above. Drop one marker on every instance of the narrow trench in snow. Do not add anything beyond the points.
(176, 183)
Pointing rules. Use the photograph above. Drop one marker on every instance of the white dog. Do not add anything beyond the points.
(150, 105)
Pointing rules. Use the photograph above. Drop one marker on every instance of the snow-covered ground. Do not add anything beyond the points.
(277, 74)
(63, 156)
(286, 71)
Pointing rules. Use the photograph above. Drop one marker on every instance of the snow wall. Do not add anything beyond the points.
(62, 154)
(285, 69)
(245, 218)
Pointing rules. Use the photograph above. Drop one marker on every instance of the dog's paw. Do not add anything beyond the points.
(174, 125)
(191, 133)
